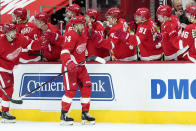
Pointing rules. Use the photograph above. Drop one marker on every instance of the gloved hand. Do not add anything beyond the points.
(132, 25)
(50, 36)
(158, 37)
(71, 66)
(97, 37)
(123, 36)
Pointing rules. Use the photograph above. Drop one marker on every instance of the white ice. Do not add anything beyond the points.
(55, 126)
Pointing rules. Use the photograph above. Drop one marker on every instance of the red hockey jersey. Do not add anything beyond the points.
(92, 48)
(189, 38)
(30, 30)
(145, 36)
(119, 49)
(9, 52)
(171, 31)
(74, 47)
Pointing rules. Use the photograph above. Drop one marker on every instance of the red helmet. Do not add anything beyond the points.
(144, 12)
(7, 27)
(42, 16)
(78, 20)
(114, 12)
(21, 13)
(191, 10)
(93, 12)
(164, 10)
(74, 8)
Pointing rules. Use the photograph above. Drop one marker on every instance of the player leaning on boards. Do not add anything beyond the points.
(189, 34)
(11, 45)
(73, 52)
(171, 31)
(146, 36)
(28, 29)
(118, 37)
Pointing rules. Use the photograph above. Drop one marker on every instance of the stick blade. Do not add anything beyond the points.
(100, 60)
(17, 101)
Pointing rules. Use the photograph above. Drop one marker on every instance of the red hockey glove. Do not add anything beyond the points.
(158, 37)
(123, 36)
(132, 25)
(71, 66)
(51, 36)
(97, 37)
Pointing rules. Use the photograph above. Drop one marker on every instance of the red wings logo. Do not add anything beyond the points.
(81, 48)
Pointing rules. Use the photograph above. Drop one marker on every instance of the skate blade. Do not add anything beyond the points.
(7, 121)
(85, 122)
(66, 123)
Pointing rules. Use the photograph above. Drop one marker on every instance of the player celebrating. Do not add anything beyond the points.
(118, 40)
(73, 53)
(189, 34)
(11, 45)
(71, 11)
(19, 17)
(50, 38)
(145, 36)
(94, 26)
(170, 30)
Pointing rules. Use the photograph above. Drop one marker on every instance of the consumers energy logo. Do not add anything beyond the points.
(102, 87)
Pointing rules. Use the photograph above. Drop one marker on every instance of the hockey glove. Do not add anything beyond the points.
(51, 36)
(97, 37)
(123, 36)
(71, 66)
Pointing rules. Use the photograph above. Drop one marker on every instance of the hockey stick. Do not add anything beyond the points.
(91, 58)
(12, 100)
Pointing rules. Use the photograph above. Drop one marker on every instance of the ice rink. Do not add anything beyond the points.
(54, 126)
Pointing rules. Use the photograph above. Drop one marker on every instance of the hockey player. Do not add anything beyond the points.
(19, 17)
(49, 36)
(118, 40)
(11, 45)
(72, 54)
(170, 30)
(94, 26)
(189, 34)
(71, 11)
(145, 36)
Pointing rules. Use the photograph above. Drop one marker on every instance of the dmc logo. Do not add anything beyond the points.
(102, 87)
(173, 89)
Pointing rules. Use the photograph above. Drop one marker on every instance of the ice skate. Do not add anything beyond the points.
(7, 117)
(65, 119)
(86, 117)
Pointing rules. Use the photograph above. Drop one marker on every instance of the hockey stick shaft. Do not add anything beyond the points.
(12, 100)
(95, 58)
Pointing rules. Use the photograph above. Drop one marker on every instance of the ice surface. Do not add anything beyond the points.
(55, 126)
